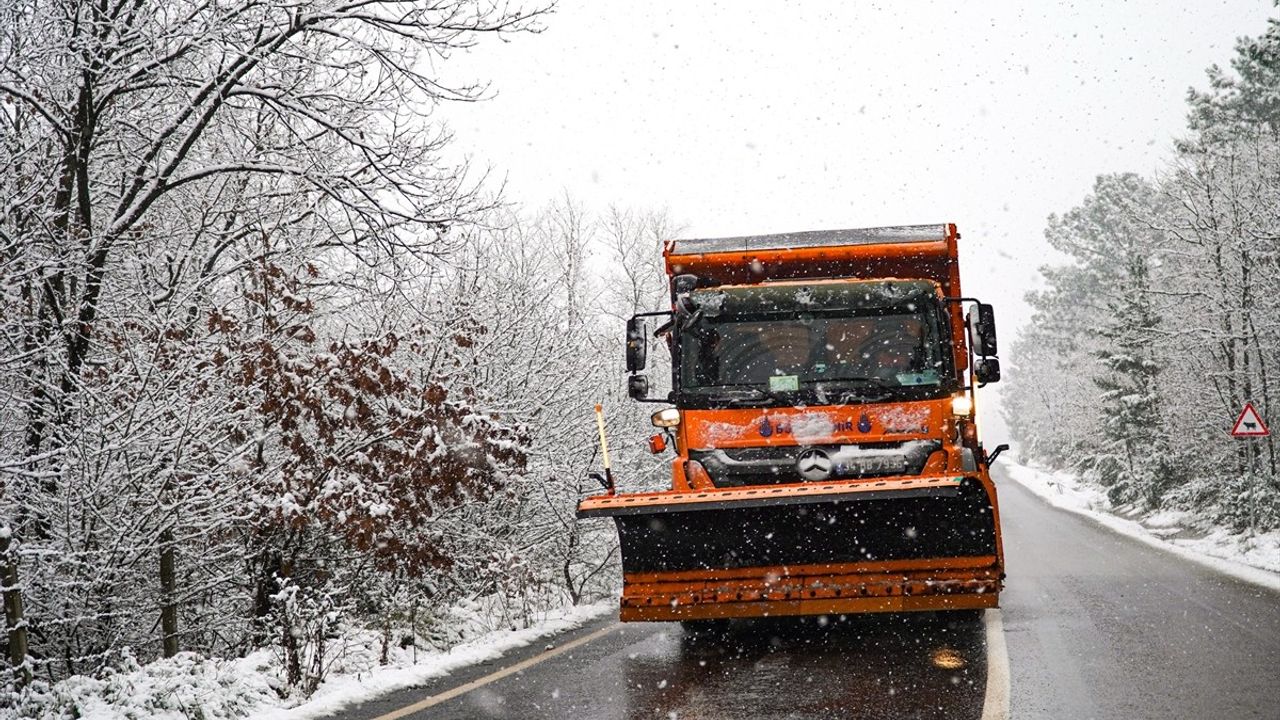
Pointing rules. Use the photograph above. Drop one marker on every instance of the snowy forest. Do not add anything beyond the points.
(271, 366)
(1165, 320)
(276, 364)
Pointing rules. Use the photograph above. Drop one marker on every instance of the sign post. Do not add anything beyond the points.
(1249, 424)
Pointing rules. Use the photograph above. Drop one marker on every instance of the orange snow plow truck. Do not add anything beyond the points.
(822, 418)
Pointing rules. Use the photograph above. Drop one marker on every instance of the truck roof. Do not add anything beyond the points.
(905, 251)
(811, 238)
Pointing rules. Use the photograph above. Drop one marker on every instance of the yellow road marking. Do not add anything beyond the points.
(494, 676)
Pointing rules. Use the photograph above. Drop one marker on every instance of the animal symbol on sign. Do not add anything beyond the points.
(1249, 424)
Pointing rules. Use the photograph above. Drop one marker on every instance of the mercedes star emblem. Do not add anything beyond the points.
(814, 464)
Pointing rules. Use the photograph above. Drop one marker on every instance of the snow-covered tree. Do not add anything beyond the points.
(167, 166)
(1174, 286)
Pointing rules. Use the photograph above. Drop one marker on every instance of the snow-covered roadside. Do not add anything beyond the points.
(355, 685)
(190, 686)
(1254, 559)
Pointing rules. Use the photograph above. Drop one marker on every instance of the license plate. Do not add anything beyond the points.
(872, 465)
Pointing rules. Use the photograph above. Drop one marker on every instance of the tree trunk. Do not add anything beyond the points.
(568, 561)
(168, 595)
(13, 615)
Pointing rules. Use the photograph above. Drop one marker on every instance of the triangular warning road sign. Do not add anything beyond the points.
(1249, 424)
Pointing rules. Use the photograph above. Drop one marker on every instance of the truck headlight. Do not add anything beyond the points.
(666, 417)
(961, 405)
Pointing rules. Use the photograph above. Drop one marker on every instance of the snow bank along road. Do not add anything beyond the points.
(1096, 625)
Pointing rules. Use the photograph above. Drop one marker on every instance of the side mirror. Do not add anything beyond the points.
(996, 453)
(638, 387)
(986, 370)
(982, 328)
(637, 346)
(684, 283)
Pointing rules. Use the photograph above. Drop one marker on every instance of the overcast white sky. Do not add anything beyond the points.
(742, 118)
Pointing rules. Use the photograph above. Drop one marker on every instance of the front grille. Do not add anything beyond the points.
(776, 465)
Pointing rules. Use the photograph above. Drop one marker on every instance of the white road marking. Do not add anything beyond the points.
(995, 706)
(498, 675)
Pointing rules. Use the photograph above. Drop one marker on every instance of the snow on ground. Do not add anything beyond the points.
(191, 686)
(1252, 558)
(356, 685)
(178, 688)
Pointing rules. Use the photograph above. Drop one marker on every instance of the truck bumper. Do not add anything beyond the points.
(967, 583)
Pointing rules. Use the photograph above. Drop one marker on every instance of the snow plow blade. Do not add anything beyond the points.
(885, 545)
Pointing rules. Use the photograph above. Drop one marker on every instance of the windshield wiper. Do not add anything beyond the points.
(850, 384)
(739, 395)
(866, 389)
(872, 379)
(835, 391)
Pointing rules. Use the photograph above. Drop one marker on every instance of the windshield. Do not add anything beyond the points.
(829, 343)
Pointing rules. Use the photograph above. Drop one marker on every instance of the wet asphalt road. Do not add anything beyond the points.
(1097, 626)
(882, 667)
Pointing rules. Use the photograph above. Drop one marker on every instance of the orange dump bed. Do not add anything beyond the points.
(926, 252)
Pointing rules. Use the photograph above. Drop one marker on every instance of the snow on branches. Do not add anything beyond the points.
(350, 439)
(1146, 346)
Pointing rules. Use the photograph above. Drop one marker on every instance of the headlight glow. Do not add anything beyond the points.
(666, 417)
(961, 405)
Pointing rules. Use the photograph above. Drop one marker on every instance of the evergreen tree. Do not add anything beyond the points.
(1134, 459)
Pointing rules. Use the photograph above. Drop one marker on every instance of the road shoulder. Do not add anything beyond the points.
(382, 690)
(1062, 492)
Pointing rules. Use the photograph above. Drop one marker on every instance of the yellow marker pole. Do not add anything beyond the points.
(604, 447)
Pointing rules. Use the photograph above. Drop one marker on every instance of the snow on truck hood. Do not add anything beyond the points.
(753, 427)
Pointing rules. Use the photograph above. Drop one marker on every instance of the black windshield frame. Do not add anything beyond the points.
(915, 298)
